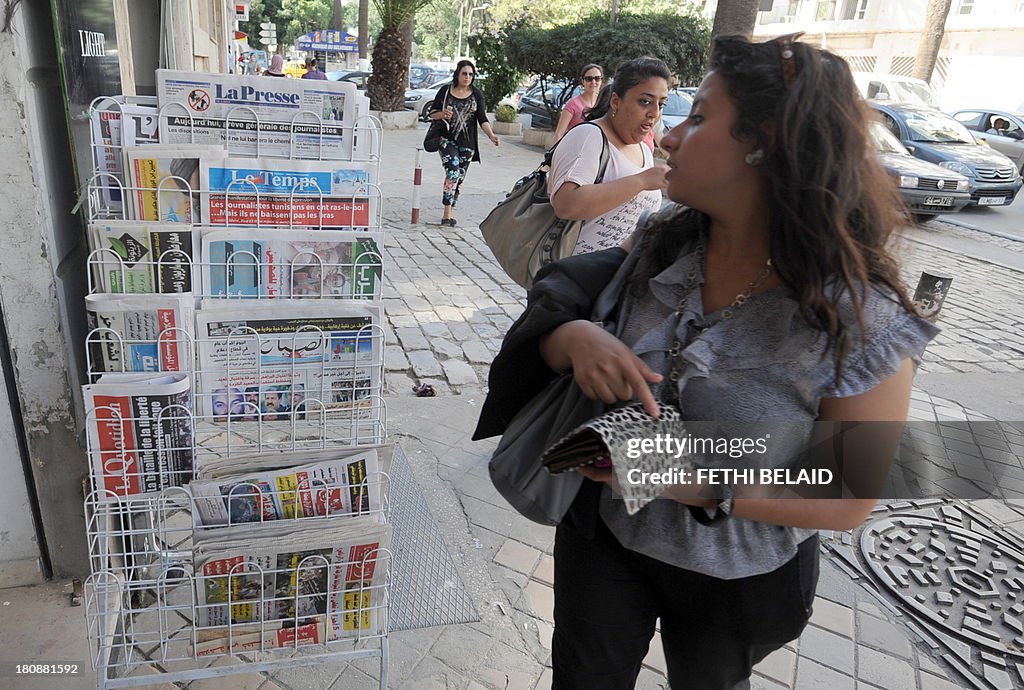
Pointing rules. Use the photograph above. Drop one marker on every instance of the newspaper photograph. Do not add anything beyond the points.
(348, 486)
(164, 181)
(136, 256)
(289, 193)
(268, 263)
(284, 570)
(280, 118)
(279, 360)
(139, 432)
(136, 333)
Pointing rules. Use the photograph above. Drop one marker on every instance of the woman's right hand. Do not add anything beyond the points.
(604, 367)
(653, 179)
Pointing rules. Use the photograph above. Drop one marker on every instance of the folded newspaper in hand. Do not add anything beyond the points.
(140, 332)
(139, 256)
(289, 193)
(283, 359)
(139, 432)
(266, 263)
(341, 486)
(294, 570)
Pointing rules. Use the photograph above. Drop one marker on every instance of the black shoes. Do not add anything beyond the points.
(448, 221)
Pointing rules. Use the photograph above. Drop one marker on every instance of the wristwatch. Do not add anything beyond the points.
(723, 509)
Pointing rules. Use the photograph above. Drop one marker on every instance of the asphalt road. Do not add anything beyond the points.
(1005, 220)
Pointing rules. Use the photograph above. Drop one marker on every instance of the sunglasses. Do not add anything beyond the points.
(592, 79)
(467, 74)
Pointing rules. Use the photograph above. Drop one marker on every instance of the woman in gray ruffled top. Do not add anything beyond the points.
(767, 296)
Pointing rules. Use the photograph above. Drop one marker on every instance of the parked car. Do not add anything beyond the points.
(338, 75)
(1009, 141)
(690, 91)
(677, 108)
(926, 188)
(423, 99)
(933, 136)
(358, 78)
(895, 89)
(295, 68)
(536, 100)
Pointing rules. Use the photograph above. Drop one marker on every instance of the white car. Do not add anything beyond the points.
(422, 100)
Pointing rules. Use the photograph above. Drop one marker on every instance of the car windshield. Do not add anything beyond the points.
(907, 91)
(936, 127)
(885, 141)
(678, 105)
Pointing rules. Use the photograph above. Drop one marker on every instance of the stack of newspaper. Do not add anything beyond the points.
(140, 332)
(118, 123)
(280, 360)
(135, 256)
(164, 183)
(140, 434)
(338, 482)
(292, 571)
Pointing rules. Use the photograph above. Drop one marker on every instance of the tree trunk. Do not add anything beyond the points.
(735, 18)
(931, 38)
(338, 17)
(407, 30)
(390, 79)
(364, 27)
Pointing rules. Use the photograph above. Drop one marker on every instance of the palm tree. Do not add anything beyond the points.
(387, 86)
(364, 27)
(735, 18)
(931, 38)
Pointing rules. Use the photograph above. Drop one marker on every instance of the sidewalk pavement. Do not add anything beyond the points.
(448, 306)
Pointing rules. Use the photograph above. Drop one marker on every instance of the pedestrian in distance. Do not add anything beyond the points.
(575, 111)
(766, 294)
(624, 115)
(312, 71)
(461, 105)
(276, 68)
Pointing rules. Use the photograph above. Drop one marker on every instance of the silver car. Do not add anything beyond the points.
(422, 100)
(1002, 130)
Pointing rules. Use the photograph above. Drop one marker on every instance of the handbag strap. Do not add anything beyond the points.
(545, 165)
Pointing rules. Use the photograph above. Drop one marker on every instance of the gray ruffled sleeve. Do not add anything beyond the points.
(891, 335)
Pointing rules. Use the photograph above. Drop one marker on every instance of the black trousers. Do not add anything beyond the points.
(714, 631)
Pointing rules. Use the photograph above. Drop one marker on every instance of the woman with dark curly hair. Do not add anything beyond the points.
(767, 296)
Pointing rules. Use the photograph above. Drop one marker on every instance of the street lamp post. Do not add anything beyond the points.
(469, 22)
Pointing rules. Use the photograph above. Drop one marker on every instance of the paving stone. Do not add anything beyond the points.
(883, 635)
(931, 682)
(545, 571)
(446, 348)
(811, 675)
(544, 682)
(459, 373)
(395, 359)
(540, 599)
(460, 647)
(241, 681)
(424, 363)
(517, 556)
(431, 674)
(883, 670)
(477, 352)
(435, 329)
(412, 338)
(780, 666)
(833, 617)
(828, 648)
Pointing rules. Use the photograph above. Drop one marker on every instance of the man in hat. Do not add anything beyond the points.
(276, 68)
(312, 71)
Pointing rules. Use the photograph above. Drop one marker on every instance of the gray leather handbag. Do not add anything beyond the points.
(523, 231)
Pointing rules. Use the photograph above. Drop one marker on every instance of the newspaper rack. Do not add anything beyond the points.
(145, 613)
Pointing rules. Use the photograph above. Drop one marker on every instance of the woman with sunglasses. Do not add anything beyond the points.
(623, 116)
(767, 295)
(575, 111)
(461, 105)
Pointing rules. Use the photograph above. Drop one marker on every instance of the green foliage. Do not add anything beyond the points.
(394, 13)
(298, 17)
(505, 113)
(682, 41)
(501, 77)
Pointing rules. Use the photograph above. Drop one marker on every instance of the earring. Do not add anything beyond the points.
(754, 157)
(614, 112)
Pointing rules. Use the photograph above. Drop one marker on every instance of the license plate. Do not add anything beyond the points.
(992, 201)
(939, 201)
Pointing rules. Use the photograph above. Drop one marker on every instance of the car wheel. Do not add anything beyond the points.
(920, 218)
(425, 113)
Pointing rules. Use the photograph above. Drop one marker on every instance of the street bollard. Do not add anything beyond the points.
(417, 179)
(930, 294)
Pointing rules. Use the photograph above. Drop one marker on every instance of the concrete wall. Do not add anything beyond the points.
(42, 282)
